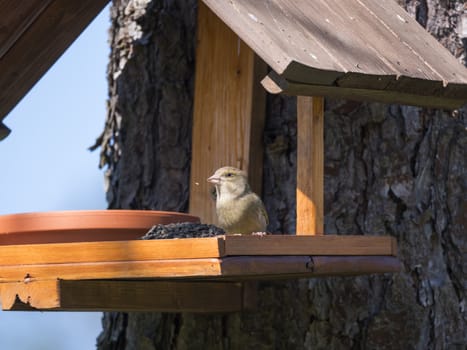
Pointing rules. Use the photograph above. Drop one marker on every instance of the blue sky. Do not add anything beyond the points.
(45, 165)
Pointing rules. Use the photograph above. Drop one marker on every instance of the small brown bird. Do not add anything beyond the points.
(238, 209)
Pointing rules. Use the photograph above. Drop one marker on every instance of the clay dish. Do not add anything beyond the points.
(83, 225)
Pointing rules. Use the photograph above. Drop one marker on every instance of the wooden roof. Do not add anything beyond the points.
(33, 35)
(359, 49)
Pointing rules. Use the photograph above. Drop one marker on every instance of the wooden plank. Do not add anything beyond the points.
(211, 269)
(128, 296)
(40, 45)
(16, 18)
(268, 28)
(183, 296)
(224, 132)
(180, 268)
(276, 85)
(432, 55)
(310, 166)
(83, 252)
(233, 268)
(265, 267)
(354, 265)
(287, 267)
(310, 245)
(375, 38)
(190, 248)
(38, 294)
(160, 296)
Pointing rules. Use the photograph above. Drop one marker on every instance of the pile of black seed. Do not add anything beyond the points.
(183, 230)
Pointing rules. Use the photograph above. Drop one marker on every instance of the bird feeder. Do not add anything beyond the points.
(386, 56)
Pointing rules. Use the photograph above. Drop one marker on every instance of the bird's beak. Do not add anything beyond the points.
(214, 180)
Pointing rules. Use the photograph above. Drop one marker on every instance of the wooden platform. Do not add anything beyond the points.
(173, 275)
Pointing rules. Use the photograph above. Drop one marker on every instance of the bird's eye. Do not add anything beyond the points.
(229, 175)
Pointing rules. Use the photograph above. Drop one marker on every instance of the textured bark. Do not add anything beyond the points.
(147, 138)
(389, 169)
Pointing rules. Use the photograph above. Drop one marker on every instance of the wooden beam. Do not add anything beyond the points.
(56, 253)
(233, 268)
(228, 113)
(303, 43)
(252, 249)
(29, 53)
(265, 267)
(227, 294)
(39, 294)
(161, 296)
(286, 267)
(193, 248)
(354, 265)
(173, 269)
(17, 18)
(129, 296)
(181, 258)
(310, 165)
(310, 245)
(275, 84)
(183, 296)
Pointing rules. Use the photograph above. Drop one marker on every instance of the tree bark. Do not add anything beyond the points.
(389, 170)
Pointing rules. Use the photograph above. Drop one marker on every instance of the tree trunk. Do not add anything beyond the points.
(389, 169)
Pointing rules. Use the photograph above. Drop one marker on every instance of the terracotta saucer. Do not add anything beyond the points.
(83, 225)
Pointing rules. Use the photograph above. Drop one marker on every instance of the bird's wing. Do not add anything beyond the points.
(259, 214)
(264, 214)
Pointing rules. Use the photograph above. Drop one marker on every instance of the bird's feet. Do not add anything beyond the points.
(260, 234)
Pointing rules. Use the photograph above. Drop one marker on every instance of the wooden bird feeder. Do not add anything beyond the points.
(311, 52)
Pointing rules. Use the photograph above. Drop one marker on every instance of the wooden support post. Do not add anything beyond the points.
(115, 295)
(228, 114)
(37, 294)
(310, 165)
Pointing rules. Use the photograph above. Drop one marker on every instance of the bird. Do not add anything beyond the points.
(238, 208)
